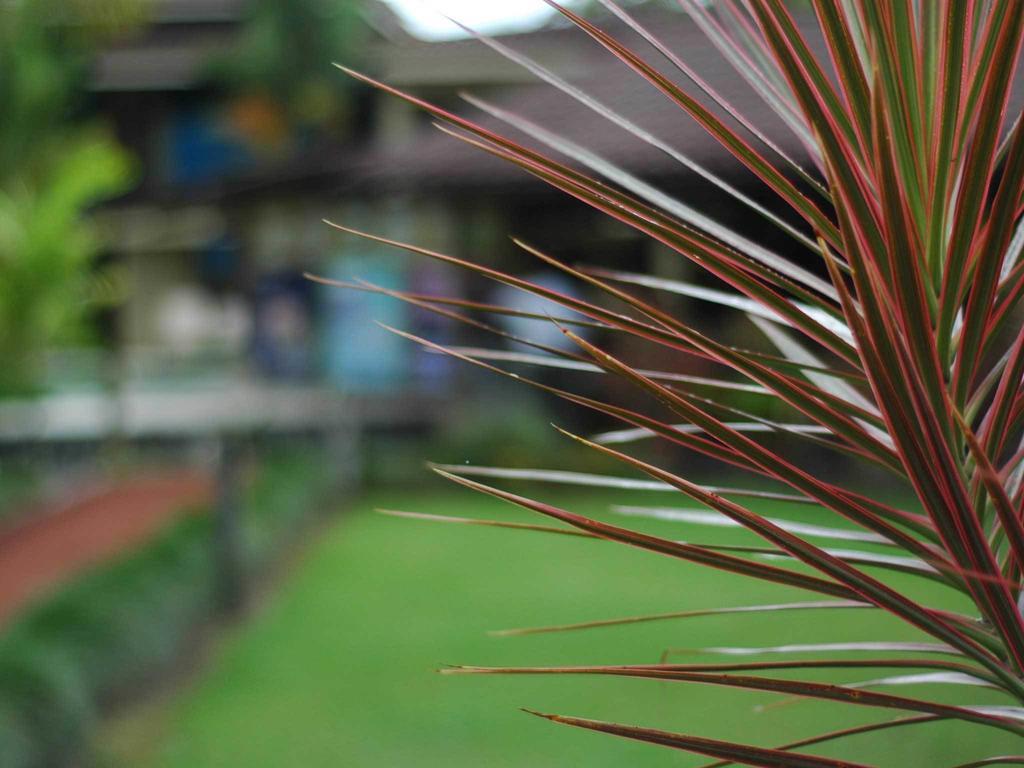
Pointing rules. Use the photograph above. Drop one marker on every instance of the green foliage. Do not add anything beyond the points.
(49, 284)
(45, 47)
(908, 358)
(53, 170)
(19, 483)
(100, 635)
(125, 623)
(481, 432)
(292, 479)
(284, 50)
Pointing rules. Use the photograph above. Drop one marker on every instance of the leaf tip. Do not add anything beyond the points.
(535, 713)
(349, 71)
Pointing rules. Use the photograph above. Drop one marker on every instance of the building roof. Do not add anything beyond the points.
(432, 159)
(172, 53)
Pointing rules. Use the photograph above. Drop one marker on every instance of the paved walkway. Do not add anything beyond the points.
(57, 542)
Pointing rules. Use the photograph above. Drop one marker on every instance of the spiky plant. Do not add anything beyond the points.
(908, 357)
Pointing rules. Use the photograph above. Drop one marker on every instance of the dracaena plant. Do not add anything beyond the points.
(902, 349)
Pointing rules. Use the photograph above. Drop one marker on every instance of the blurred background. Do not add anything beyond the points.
(193, 435)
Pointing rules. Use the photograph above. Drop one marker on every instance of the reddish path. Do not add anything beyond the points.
(58, 542)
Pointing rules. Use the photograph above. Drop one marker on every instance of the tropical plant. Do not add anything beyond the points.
(49, 281)
(908, 358)
(53, 169)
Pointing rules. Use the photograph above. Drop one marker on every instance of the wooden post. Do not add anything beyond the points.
(229, 564)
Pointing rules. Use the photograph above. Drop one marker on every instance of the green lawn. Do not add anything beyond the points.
(338, 668)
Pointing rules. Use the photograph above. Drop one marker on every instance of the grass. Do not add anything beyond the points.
(338, 669)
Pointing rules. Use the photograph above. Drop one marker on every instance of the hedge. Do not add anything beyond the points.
(109, 634)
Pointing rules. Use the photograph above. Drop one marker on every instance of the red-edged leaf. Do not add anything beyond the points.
(711, 123)
(741, 753)
(691, 614)
(801, 688)
(844, 733)
(664, 546)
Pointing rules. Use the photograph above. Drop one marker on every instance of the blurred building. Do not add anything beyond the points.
(226, 217)
(228, 213)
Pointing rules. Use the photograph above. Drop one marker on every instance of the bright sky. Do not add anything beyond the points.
(426, 18)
